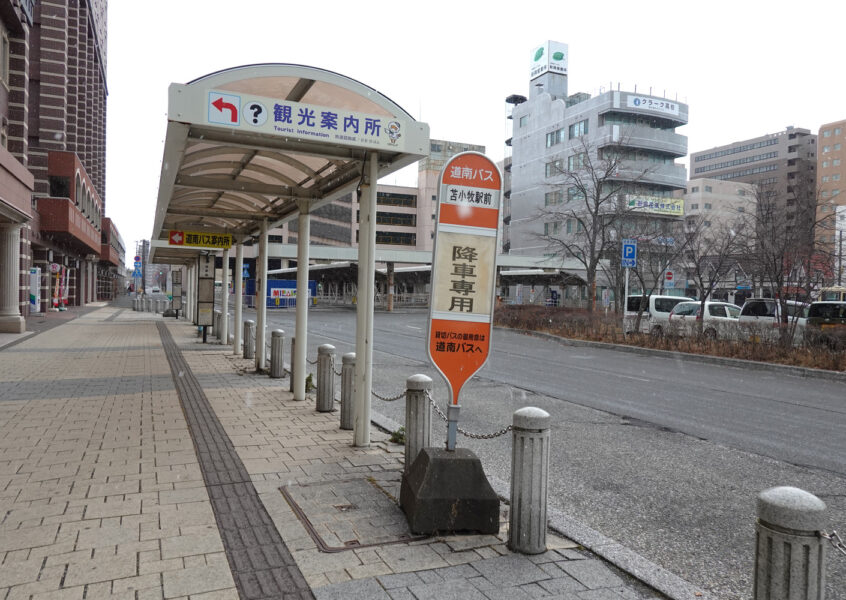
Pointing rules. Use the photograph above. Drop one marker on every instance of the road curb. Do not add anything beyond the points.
(703, 358)
(658, 578)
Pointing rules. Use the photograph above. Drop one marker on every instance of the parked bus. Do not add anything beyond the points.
(835, 293)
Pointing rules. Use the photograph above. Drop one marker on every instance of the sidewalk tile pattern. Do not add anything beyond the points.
(261, 563)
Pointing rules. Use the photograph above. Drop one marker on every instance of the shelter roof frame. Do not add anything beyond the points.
(265, 142)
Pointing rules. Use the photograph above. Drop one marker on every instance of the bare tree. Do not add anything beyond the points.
(712, 249)
(788, 256)
(585, 204)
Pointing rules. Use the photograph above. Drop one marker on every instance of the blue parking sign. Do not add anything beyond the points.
(629, 258)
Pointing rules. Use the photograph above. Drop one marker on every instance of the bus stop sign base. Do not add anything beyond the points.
(447, 492)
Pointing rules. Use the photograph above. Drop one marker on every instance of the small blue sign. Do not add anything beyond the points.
(136, 273)
(629, 259)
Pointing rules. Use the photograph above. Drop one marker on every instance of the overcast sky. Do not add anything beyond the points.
(745, 67)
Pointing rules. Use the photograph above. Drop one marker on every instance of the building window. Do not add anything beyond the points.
(837, 131)
(574, 194)
(825, 179)
(826, 149)
(835, 162)
(436, 147)
(706, 223)
(835, 192)
(827, 133)
(524, 120)
(694, 189)
(391, 199)
(554, 137)
(576, 162)
(554, 168)
(707, 206)
(694, 206)
(553, 198)
(837, 146)
(741, 210)
(553, 228)
(578, 129)
(401, 238)
(825, 164)
(708, 189)
(741, 192)
(835, 177)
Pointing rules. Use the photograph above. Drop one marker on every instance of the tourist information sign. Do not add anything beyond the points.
(464, 273)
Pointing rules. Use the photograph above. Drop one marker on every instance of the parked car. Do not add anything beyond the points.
(826, 324)
(156, 290)
(656, 312)
(718, 321)
(761, 320)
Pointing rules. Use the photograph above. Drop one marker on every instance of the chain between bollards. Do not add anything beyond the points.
(835, 540)
(465, 433)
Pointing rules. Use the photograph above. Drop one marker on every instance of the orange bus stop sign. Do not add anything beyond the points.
(464, 268)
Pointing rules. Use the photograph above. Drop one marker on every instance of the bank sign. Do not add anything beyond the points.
(464, 268)
(551, 56)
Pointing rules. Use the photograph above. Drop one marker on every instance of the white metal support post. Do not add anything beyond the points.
(364, 312)
(301, 332)
(224, 300)
(239, 296)
(261, 301)
(192, 309)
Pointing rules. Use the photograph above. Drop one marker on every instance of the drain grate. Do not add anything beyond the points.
(348, 514)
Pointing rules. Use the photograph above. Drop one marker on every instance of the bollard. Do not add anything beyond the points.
(277, 364)
(216, 324)
(149, 305)
(790, 553)
(158, 306)
(347, 389)
(293, 345)
(418, 417)
(325, 378)
(249, 339)
(529, 476)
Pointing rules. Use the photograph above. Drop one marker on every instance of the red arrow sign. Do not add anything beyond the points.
(219, 104)
(177, 238)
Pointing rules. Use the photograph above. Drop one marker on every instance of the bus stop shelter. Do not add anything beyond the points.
(252, 147)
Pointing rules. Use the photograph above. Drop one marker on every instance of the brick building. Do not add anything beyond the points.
(53, 158)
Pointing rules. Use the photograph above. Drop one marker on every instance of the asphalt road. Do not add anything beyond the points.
(665, 456)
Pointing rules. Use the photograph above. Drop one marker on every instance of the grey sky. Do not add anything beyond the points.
(746, 68)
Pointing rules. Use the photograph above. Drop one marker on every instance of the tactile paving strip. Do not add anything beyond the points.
(260, 561)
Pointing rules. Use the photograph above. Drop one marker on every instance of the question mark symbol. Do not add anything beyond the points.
(256, 108)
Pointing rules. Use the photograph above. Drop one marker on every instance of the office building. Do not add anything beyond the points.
(831, 186)
(555, 134)
(53, 159)
(718, 203)
(783, 167)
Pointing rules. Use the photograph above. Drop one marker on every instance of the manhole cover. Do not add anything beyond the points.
(349, 514)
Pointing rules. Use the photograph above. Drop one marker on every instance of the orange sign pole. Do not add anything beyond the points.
(464, 273)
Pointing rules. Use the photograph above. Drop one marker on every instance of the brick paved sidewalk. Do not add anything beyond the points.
(136, 462)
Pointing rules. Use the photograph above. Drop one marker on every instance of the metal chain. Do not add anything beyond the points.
(384, 399)
(835, 540)
(475, 436)
(338, 373)
(311, 362)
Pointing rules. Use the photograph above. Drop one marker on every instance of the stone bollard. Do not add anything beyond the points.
(216, 324)
(159, 305)
(347, 390)
(149, 305)
(277, 358)
(325, 378)
(418, 417)
(529, 476)
(790, 553)
(249, 339)
(293, 346)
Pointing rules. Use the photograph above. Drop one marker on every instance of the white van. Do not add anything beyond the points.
(761, 320)
(656, 312)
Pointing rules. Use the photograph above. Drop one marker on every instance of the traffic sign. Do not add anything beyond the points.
(137, 258)
(669, 279)
(629, 258)
(136, 273)
(463, 269)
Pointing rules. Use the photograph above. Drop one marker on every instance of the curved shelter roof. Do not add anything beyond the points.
(259, 142)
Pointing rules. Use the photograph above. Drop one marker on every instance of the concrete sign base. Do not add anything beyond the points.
(447, 491)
